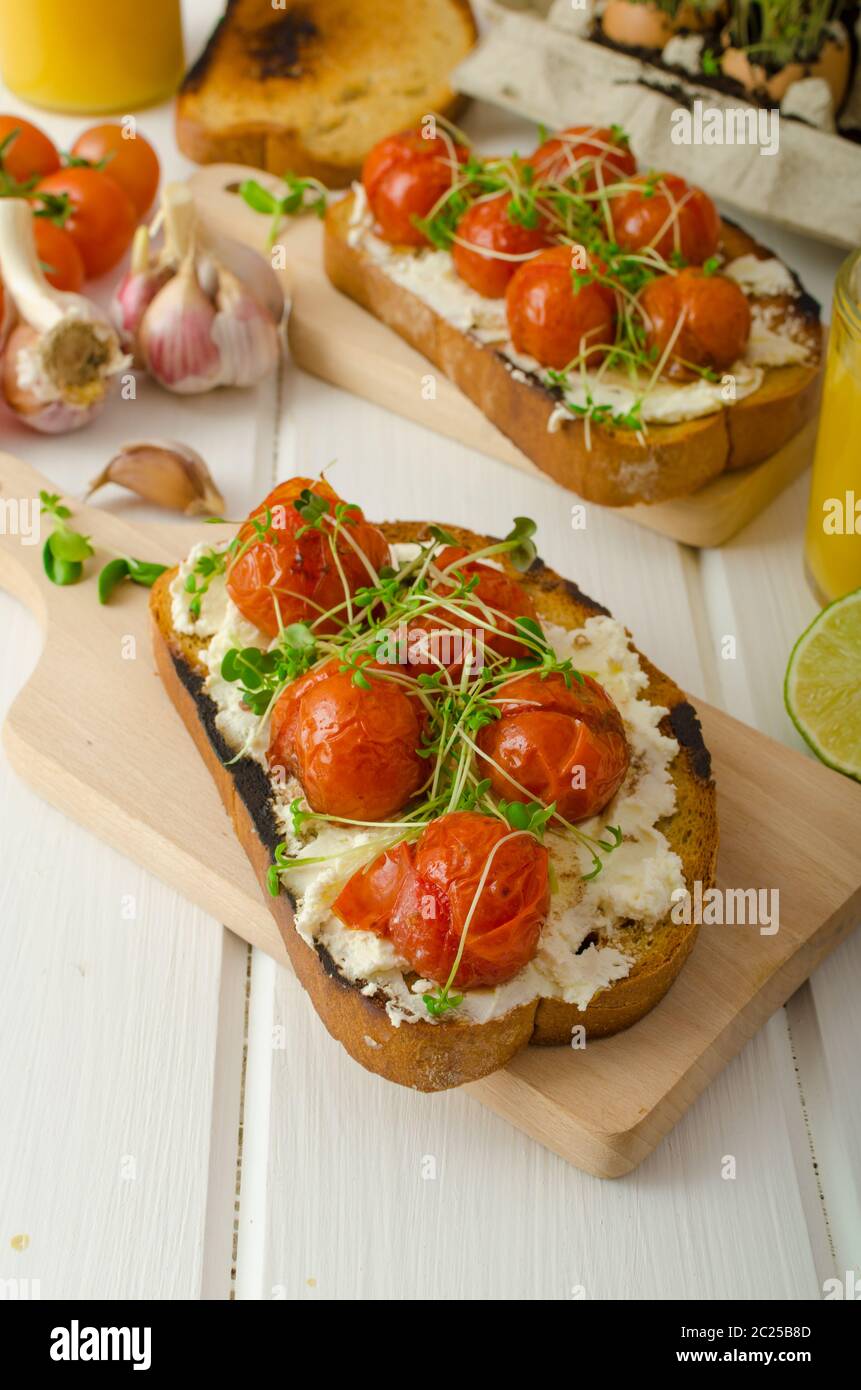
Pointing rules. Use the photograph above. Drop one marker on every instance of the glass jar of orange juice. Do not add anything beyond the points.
(91, 55)
(833, 544)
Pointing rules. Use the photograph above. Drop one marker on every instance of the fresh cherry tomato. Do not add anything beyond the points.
(61, 260)
(354, 749)
(367, 899)
(672, 217)
(488, 225)
(589, 156)
(554, 320)
(131, 160)
(404, 177)
(714, 314)
(297, 576)
(29, 151)
(441, 893)
(558, 742)
(102, 219)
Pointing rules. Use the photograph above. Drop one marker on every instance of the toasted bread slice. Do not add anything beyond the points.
(613, 466)
(434, 1056)
(312, 85)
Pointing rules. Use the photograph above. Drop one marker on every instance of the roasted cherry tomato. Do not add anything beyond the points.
(488, 225)
(553, 319)
(714, 315)
(558, 742)
(366, 901)
(672, 217)
(60, 258)
(588, 156)
(354, 749)
(25, 150)
(432, 644)
(404, 177)
(130, 160)
(441, 893)
(102, 220)
(297, 576)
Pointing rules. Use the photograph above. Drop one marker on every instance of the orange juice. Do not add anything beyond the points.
(91, 55)
(833, 544)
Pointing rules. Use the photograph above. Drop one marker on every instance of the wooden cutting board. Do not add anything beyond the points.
(337, 340)
(95, 734)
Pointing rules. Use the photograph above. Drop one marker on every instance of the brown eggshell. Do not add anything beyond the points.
(832, 65)
(638, 26)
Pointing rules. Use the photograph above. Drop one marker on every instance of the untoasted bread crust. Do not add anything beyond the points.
(230, 109)
(616, 470)
(426, 1056)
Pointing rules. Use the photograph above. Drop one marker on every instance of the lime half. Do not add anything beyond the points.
(822, 689)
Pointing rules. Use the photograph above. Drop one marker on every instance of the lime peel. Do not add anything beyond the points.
(822, 686)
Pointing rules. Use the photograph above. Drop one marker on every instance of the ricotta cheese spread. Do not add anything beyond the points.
(430, 275)
(581, 949)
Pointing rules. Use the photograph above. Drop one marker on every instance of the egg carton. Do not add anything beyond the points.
(535, 58)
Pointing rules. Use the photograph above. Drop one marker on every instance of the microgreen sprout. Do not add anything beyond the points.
(65, 550)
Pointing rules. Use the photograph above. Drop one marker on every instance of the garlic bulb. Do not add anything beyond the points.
(61, 359)
(165, 472)
(202, 312)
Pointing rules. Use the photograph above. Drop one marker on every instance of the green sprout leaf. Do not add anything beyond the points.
(439, 1004)
(70, 546)
(113, 573)
(61, 572)
(523, 550)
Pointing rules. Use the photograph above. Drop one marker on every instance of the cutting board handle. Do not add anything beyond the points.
(224, 211)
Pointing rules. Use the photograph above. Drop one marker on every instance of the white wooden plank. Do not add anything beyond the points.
(109, 1009)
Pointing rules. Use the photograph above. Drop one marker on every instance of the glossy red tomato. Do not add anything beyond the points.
(28, 152)
(366, 901)
(675, 217)
(60, 258)
(404, 176)
(560, 743)
(130, 160)
(297, 576)
(437, 898)
(353, 749)
(591, 156)
(433, 644)
(552, 319)
(102, 219)
(714, 314)
(488, 225)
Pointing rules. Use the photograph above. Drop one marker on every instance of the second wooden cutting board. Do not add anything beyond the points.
(119, 761)
(337, 340)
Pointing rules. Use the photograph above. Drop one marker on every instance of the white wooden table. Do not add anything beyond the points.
(176, 1122)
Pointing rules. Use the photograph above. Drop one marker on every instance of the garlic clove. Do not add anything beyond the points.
(175, 339)
(165, 472)
(252, 269)
(247, 338)
(137, 289)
